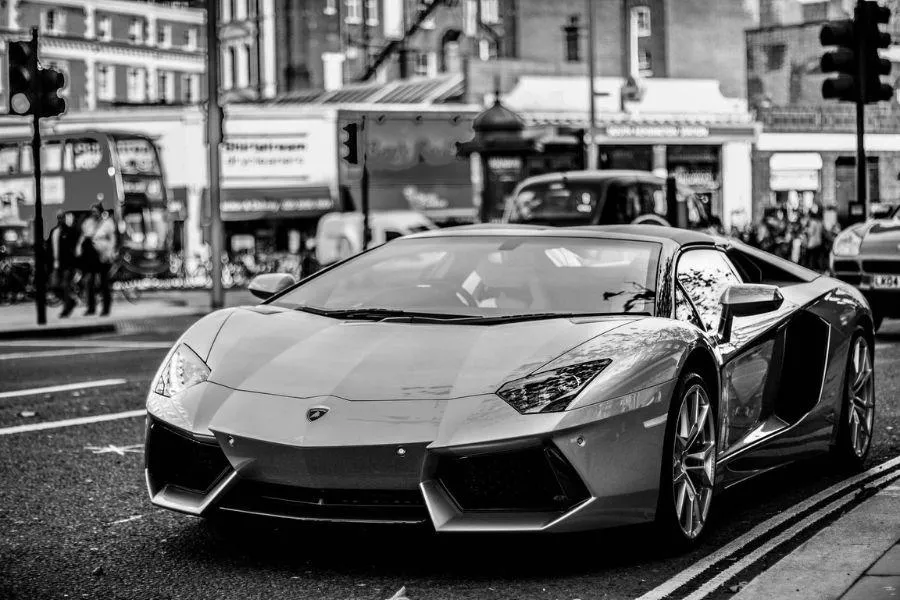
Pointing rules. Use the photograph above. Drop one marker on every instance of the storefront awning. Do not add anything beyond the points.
(256, 204)
(795, 171)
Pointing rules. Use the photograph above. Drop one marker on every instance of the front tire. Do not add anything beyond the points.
(687, 478)
(857, 415)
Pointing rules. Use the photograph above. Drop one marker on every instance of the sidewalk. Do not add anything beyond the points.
(20, 320)
(855, 558)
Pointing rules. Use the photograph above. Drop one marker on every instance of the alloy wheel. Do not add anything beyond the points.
(861, 409)
(694, 461)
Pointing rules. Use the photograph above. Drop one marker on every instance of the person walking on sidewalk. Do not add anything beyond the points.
(62, 245)
(98, 251)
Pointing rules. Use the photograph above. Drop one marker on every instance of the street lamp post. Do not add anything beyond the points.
(592, 67)
(214, 136)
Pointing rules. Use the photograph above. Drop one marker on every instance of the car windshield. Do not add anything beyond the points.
(489, 276)
(557, 202)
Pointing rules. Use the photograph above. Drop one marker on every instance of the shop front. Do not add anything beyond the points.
(800, 171)
(412, 163)
(279, 172)
(684, 128)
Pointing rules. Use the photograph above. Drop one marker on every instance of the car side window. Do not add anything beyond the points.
(705, 274)
(621, 204)
(684, 311)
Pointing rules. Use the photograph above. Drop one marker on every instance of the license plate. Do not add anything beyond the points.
(886, 281)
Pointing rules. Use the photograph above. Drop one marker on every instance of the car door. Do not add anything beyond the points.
(746, 394)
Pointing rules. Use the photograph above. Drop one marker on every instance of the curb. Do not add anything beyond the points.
(37, 331)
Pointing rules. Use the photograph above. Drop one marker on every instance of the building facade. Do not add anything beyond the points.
(114, 52)
(806, 152)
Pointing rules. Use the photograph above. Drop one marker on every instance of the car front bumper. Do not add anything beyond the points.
(592, 467)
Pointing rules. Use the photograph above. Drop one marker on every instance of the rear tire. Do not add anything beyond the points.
(856, 423)
(688, 471)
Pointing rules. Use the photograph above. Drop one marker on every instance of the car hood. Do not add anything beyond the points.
(882, 237)
(293, 353)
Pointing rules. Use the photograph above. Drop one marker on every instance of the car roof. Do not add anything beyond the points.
(654, 233)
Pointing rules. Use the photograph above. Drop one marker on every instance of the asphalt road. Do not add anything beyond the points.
(75, 521)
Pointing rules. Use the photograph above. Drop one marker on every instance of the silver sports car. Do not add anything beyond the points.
(513, 378)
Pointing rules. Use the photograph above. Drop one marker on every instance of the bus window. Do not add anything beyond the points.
(137, 156)
(51, 157)
(9, 159)
(83, 154)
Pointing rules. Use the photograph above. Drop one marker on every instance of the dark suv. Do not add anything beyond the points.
(599, 198)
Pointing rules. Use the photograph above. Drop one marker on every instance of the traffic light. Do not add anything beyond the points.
(874, 39)
(51, 82)
(843, 61)
(23, 68)
(856, 60)
(350, 143)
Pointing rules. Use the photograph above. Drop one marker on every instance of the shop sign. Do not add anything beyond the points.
(796, 180)
(424, 200)
(277, 205)
(657, 131)
(705, 179)
(307, 158)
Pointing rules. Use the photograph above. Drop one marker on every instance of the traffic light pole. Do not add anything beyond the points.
(214, 140)
(862, 187)
(40, 274)
(367, 232)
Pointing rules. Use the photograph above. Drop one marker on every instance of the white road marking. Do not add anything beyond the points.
(85, 344)
(72, 422)
(697, 569)
(126, 520)
(722, 578)
(59, 353)
(113, 449)
(62, 388)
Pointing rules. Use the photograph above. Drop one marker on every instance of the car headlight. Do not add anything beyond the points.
(183, 370)
(550, 391)
(847, 243)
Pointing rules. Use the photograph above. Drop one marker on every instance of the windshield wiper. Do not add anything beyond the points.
(539, 316)
(381, 313)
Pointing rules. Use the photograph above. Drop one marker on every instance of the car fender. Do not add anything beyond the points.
(644, 353)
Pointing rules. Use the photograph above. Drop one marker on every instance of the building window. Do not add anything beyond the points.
(487, 50)
(229, 75)
(642, 21)
(775, 55)
(106, 84)
(815, 11)
(371, 13)
(190, 38)
(165, 87)
(572, 32)
(490, 11)
(330, 7)
(188, 93)
(136, 84)
(136, 31)
(354, 11)
(645, 63)
(164, 36)
(52, 22)
(104, 29)
(422, 64)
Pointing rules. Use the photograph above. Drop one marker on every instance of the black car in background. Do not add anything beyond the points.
(867, 255)
(607, 197)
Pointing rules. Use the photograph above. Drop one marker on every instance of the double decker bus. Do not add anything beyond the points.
(121, 170)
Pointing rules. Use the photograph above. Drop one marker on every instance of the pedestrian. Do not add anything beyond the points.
(61, 246)
(98, 251)
(309, 264)
(815, 240)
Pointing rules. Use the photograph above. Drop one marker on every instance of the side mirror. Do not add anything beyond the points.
(746, 300)
(267, 285)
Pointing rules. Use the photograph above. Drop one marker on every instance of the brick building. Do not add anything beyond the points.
(806, 151)
(114, 52)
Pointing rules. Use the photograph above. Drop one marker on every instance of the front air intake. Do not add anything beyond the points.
(533, 480)
(179, 459)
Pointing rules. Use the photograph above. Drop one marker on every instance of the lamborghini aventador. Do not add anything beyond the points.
(514, 378)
